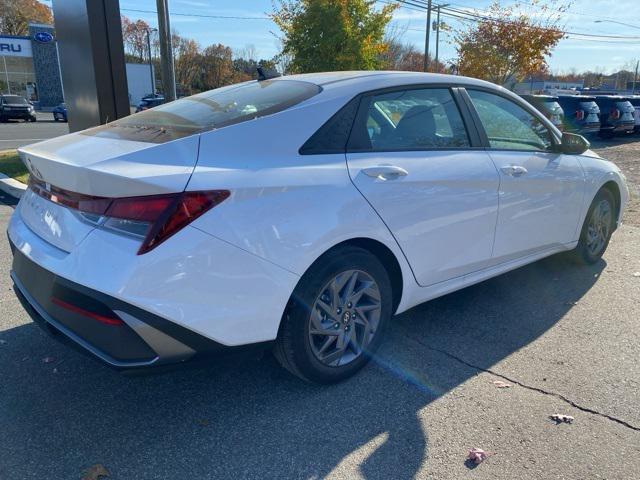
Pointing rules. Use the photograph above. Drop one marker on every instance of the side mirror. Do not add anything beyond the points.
(573, 144)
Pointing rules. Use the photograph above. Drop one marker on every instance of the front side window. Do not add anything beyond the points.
(508, 125)
(416, 119)
(205, 111)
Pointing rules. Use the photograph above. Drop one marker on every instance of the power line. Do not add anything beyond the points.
(471, 16)
(197, 15)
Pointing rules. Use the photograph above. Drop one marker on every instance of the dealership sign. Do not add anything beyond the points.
(43, 37)
(15, 47)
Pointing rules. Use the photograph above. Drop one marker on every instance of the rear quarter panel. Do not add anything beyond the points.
(284, 207)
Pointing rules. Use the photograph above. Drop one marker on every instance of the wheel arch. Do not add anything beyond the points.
(379, 250)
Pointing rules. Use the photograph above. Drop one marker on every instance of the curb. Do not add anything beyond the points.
(11, 186)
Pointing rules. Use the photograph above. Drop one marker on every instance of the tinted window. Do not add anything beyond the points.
(332, 137)
(213, 109)
(508, 125)
(409, 120)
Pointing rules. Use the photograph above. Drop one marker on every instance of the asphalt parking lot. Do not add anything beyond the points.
(566, 338)
(18, 133)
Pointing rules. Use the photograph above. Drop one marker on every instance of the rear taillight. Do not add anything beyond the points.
(614, 114)
(164, 215)
(153, 218)
(580, 115)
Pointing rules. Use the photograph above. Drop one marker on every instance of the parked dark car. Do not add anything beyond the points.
(616, 115)
(60, 113)
(547, 105)
(635, 101)
(149, 101)
(15, 107)
(581, 113)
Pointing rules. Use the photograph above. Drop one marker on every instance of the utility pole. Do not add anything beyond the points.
(166, 52)
(437, 36)
(426, 39)
(153, 80)
(635, 77)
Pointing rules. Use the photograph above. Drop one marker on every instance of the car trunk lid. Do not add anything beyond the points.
(98, 167)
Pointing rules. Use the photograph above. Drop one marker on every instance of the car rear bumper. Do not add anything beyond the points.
(624, 127)
(191, 297)
(141, 340)
(17, 115)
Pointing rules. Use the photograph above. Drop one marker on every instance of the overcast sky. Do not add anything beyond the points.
(253, 29)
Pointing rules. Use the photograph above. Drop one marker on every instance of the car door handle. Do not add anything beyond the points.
(385, 172)
(514, 170)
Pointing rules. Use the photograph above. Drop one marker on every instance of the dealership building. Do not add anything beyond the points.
(29, 67)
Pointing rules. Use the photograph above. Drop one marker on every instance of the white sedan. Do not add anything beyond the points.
(299, 213)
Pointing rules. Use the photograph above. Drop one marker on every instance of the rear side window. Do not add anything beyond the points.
(416, 119)
(209, 110)
(509, 126)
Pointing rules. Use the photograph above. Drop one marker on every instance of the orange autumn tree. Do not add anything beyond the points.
(324, 35)
(510, 43)
(15, 16)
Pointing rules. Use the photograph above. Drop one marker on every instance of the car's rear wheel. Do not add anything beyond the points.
(336, 317)
(597, 229)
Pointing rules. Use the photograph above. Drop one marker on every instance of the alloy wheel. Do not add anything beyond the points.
(344, 318)
(599, 227)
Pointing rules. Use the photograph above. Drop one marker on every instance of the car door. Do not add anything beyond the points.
(541, 190)
(412, 157)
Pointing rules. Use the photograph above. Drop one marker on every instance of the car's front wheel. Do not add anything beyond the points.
(336, 317)
(597, 229)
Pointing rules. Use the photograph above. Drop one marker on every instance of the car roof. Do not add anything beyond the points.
(371, 79)
(542, 97)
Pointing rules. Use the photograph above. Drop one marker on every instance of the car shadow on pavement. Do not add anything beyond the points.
(246, 417)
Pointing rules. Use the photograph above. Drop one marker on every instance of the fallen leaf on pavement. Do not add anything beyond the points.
(48, 359)
(559, 418)
(95, 472)
(478, 455)
(501, 384)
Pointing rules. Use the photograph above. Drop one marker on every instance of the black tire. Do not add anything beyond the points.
(293, 347)
(582, 254)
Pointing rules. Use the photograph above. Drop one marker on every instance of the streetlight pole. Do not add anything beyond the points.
(153, 80)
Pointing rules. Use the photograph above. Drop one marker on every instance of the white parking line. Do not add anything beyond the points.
(23, 140)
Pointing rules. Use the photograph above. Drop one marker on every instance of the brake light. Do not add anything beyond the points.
(155, 218)
(166, 214)
(614, 114)
(580, 115)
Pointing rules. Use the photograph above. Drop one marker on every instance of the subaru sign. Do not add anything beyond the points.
(43, 37)
(15, 47)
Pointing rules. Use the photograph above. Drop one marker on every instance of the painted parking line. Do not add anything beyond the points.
(24, 140)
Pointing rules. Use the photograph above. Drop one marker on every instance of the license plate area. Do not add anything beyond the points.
(56, 224)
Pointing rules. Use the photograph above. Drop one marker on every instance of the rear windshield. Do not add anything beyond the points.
(209, 110)
(14, 100)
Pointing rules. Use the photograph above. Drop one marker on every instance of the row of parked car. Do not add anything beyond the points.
(604, 115)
